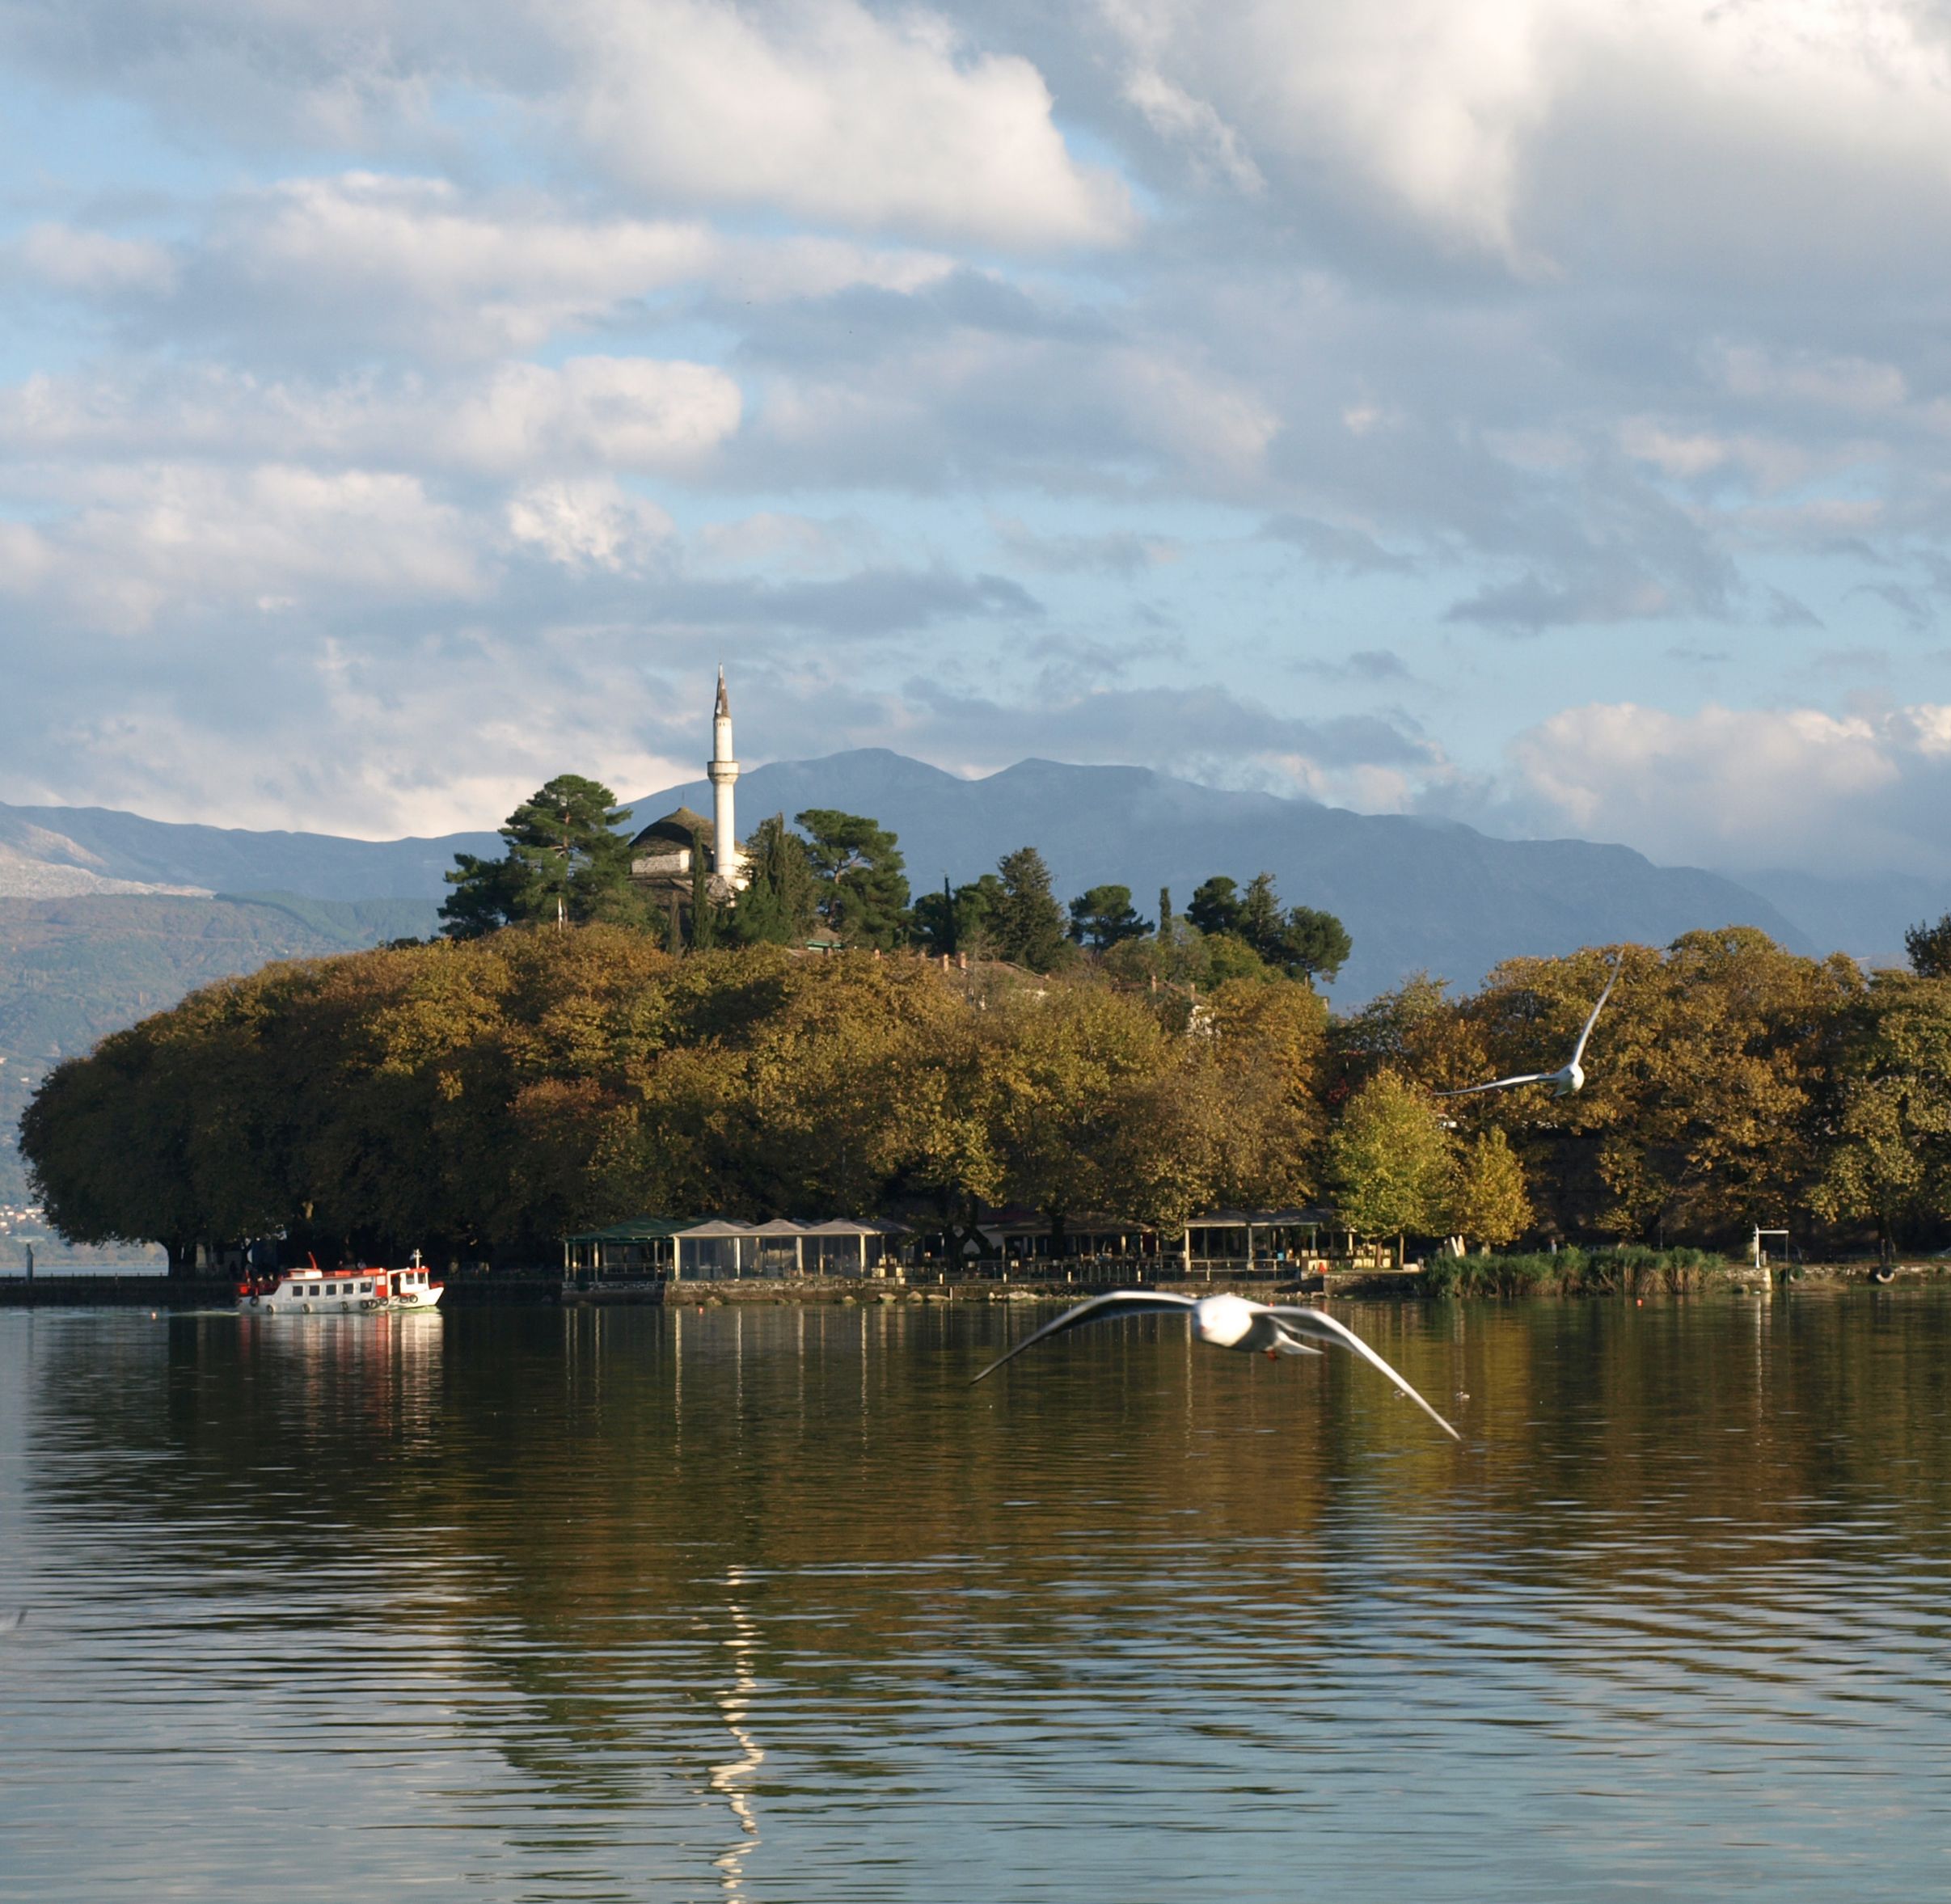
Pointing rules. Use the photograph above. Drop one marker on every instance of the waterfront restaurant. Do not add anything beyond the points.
(640, 1247)
(1257, 1237)
(719, 1250)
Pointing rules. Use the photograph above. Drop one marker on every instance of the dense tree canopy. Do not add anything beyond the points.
(487, 1095)
(483, 1095)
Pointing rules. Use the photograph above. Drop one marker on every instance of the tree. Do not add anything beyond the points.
(1258, 919)
(1164, 913)
(1215, 906)
(565, 863)
(1301, 942)
(1070, 1081)
(487, 896)
(703, 916)
(1228, 957)
(1713, 1080)
(1026, 923)
(1312, 944)
(863, 880)
(780, 905)
(1267, 1046)
(1104, 917)
(1890, 1161)
(932, 921)
(1488, 1199)
(959, 922)
(1929, 948)
(1389, 1159)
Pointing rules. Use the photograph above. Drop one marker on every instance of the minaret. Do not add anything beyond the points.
(723, 771)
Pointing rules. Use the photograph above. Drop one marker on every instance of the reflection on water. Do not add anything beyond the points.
(730, 1778)
(630, 1605)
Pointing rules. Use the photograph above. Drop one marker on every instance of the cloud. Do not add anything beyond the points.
(93, 263)
(826, 110)
(1330, 545)
(1121, 553)
(1204, 730)
(587, 412)
(422, 267)
(1361, 664)
(174, 540)
(587, 524)
(1732, 787)
(608, 413)
(1538, 134)
(455, 340)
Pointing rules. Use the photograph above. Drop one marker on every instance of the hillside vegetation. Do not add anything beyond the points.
(481, 1096)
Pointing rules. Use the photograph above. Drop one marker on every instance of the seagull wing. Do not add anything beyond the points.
(1317, 1322)
(1501, 1084)
(1106, 1308)
(1579, 1051)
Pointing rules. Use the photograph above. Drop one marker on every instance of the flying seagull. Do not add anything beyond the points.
(1227, 1322)
(1564, 1082)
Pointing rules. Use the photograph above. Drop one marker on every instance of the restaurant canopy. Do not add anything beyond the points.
(723, 1247)
(641, 1246)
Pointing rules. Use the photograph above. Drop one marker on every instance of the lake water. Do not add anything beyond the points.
(537, 1605)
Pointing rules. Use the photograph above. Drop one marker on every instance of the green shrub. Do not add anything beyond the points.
(1574, 1271)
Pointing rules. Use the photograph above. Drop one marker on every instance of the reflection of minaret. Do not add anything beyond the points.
(723, 771)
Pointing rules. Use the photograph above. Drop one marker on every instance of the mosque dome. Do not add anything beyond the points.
(676, 831)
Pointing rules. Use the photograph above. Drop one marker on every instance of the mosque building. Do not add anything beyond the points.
(661, 856)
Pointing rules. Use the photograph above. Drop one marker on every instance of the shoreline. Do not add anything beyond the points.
(140, 1289)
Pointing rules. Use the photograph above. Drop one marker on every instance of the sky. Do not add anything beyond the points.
(1536, 412)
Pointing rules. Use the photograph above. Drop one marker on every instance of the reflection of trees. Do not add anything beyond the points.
(648, 1544)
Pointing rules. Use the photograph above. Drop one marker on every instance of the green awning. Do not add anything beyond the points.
(636, 1230)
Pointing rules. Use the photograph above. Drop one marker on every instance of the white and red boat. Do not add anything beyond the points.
(313, 1291)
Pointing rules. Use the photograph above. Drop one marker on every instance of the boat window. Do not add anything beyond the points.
(331, 1289)
(366, 1288)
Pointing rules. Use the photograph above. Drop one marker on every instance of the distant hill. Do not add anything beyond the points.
(1866, 917)
(72, 970)
(1415, 894)
(100, 845)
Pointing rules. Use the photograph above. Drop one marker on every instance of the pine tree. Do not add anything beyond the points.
(1312, 944)
(1104, 917)
(566, 863)
(1260, 920)
(1026, 924)
(862, 880)
(1215, 906)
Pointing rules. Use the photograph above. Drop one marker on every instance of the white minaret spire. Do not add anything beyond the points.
(723, 771)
